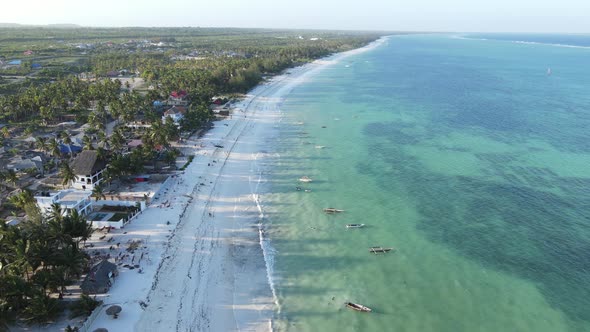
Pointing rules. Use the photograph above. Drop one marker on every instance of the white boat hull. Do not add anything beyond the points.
(355, 225)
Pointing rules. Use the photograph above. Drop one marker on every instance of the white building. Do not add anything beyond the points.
(175, 112)
(88, 169)
(69, 200)
(178, 98)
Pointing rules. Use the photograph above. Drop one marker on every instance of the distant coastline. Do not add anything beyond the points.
(56, 25)
(557, 40)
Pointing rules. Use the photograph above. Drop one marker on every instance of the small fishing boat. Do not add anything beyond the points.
(305, 179)
(358, 307)
(355, 225)
(332, 210)
(320, 146)
(379, 250)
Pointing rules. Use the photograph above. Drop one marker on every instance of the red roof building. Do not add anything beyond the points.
(181, 94)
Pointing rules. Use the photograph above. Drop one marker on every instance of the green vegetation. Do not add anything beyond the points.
(84, 306)
(122, 78)
(188, 162)
(228, 60)
(67, 75)
(38, 259)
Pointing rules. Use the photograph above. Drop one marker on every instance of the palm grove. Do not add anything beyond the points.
(40, 257)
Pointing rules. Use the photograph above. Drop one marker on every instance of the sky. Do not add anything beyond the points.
(390, 15)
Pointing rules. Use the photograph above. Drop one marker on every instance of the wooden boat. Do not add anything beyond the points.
(305, 179)
(358, 307)
(379, 250)
(332, 210)
(355, 225)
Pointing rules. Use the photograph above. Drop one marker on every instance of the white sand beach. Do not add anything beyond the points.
(202, 267)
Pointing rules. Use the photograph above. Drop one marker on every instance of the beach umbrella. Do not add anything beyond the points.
(113, 310)
(101, 329)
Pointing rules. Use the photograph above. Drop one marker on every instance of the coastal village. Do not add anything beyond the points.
(96, 134)
(256, 166)
(68, 170)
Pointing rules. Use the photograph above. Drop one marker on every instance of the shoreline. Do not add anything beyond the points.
(209, 265)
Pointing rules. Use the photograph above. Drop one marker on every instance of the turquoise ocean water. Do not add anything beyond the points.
(465, 155)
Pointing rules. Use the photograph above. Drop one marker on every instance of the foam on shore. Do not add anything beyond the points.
(192, 281)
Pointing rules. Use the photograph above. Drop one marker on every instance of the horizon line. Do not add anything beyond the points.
(7, 25)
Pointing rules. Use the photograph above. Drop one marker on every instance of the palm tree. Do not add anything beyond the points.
(158, 134)
(117, 140)
(55, 213)
(53, 146)
(23, 258)
(54, 150)
(11, 177)
(6, 317)
(108, 175)
(77, 227)
(84, 306)
(5, 132)
(98, 192)
(67, 174)
(57, 229)
(171, 131)
(41, 143)
(101, 153)
(21, 199)
(59, 274)
(87, 143)
(66, 138)
(72, 260)
(14, 290)
(102, 137)
(41, 308)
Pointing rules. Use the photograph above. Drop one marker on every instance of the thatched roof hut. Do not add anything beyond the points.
(99, 279)
(88, 163)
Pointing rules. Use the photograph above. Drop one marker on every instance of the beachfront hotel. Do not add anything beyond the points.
(69, 200)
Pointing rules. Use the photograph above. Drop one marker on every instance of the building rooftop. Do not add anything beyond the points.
(87, 162)
(64, 197)
(175, 110)
(73, 196)
(97, 281)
